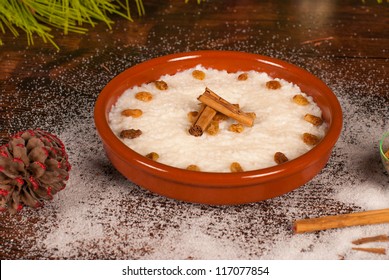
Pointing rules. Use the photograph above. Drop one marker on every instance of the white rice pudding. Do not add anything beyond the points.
(278, 126)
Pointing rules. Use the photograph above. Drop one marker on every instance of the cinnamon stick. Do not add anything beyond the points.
(377, 238)
(381, 251)
(203, 120)
(340, 221)
(221, 105)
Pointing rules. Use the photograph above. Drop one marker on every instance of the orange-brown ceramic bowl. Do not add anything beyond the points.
(209, 187)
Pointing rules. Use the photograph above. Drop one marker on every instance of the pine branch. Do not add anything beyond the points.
(40, 16)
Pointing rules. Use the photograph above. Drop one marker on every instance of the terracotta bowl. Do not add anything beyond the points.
(212, 187)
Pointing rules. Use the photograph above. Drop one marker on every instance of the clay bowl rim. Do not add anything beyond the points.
(333, 117)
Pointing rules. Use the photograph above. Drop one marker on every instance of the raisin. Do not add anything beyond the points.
(135, 113)
(130, 133)
(198, 74)
(313, 119)
(300, 100)
(161, 85)
(144, 96)
(280, 158)
(235, 167)
(273, 84)
(243, 77)
(310, 139)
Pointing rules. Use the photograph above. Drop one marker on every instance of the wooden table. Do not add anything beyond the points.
(345, 43)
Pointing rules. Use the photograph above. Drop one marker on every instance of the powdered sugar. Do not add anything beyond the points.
(103, 215)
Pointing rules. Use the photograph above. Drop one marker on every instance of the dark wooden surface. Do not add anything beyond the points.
(346, 40)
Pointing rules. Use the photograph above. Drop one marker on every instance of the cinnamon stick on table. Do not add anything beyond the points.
(219, 104)
(339, 221)
(380, 251)
(377, 238)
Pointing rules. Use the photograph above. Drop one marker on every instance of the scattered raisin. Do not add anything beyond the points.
(236, 127)
(130, 133)
(273, 84)
(310, 139)
(252, 115)
(243, 77)
(313, 119)
(192, 116)
(135, 113)
(300, 100)
(144, 96)
(153, 156)
(280, 158)
(213, 128)
(193, 167)
(235, 167)
(198, 74)
(161, 85)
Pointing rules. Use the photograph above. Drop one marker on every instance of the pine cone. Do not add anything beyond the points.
(33, 167)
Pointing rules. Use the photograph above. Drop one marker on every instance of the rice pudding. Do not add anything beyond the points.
(154, 120)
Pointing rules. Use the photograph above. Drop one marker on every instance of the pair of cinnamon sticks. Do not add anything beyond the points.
(213, 103)
(377, 238)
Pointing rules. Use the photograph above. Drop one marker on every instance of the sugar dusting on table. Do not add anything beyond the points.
(91, 217)
(102, 215)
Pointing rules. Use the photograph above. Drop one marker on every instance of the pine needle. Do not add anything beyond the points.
(141, 9)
